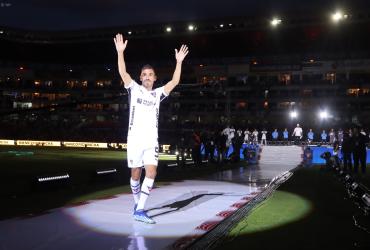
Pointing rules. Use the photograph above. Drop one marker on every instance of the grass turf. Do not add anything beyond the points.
(21, 166)
(310, 211)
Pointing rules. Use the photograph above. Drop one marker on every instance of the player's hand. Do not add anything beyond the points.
(120, 44)
(180, 55)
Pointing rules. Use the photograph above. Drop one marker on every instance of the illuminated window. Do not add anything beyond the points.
(76, 84)
(212, 79)
(286, 104)
(331, 77)
(103, 83)
(353, 92)
(70, 84)
(95, 106)
(358, 91)
(62, 96)
(285, 78)
(48, 83)
(204, 80)
(241, 105)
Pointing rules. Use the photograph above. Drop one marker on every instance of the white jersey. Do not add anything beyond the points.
(226, 131)
(144, 113)
(264, 132)
(255, 135)
(246, 135)
(298, 131)
(231, 134)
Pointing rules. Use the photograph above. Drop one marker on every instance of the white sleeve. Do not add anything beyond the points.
(132, 84)
(160, 93)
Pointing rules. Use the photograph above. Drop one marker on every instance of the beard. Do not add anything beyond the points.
(147, 83)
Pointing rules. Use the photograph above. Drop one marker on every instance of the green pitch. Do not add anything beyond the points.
(25, 164)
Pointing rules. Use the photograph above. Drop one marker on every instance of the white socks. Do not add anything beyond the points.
(145, 190)
(135, 187)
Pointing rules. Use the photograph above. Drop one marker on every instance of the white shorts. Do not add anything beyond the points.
(139, 154)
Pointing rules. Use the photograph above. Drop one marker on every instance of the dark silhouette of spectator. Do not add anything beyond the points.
(181, 147)
(211, 145)
(347, 149)
(237, 143)
(207, 141)
(221, 145)
(196, 147)
(336, 153)
(359, 150)
(340, 136)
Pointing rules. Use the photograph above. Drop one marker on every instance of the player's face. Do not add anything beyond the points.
(147, 78)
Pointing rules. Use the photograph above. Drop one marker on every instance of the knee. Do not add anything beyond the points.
(135, 174)
(152, 173)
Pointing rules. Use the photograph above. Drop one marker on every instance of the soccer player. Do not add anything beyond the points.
(297, 133)
(264, 137)
(142, 137)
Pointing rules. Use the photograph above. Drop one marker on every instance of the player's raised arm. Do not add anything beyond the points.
(120, 47)
(180, 56)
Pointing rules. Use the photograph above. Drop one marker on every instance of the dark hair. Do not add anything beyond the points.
(147, 66)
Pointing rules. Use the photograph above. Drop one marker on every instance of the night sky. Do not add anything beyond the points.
(83, 14)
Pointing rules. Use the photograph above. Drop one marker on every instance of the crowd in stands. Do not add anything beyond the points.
(351, 141)
(62, 129)
(190, 136)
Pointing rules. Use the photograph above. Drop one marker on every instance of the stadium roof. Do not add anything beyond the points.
(60, 15)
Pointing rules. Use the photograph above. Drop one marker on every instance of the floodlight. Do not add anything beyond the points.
(191, 27)
(275, 22)
(338, 16)
(293, 114)
(323, 114)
